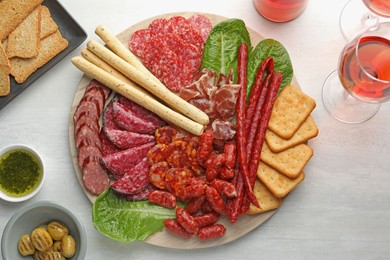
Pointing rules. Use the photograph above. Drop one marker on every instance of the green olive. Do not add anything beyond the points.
(41, 239)
(57, 246)
(25, 245)
(57, 230)
(68, 248)
(54, 256)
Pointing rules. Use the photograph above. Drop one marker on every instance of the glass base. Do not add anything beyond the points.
(342, 106)
(356, 17)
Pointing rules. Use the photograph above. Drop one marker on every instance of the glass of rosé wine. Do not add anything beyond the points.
(354, 92)
(357, 15)
(280, 11)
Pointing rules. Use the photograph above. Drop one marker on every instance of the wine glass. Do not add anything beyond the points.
(357, 15)
(354, 92)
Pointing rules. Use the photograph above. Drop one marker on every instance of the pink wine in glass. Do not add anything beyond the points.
(365, 71)
(380, 7)
(280, 10)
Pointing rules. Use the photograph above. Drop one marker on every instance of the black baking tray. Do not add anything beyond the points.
(69, 29)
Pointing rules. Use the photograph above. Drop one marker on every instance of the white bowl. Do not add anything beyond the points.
(7, 197)
(36, 214)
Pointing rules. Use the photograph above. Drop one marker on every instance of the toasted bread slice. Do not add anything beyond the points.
(21, 69)
(48, 25)
(23, 42)
(13, 12)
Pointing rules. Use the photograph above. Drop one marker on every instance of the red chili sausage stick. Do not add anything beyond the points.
(267, 64)
(269, 103)
(240, 112)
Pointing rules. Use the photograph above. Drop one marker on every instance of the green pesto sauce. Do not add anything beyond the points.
(20, 173)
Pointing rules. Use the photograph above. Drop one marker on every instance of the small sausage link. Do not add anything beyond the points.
(229, 150)
(195, 205)
(207, 219)
(186, 220)
(162, 198)
(174, 227)
(205, 145)
(213, 231)
(224, 188)
(215, 166)
(215, 200)
(226, 173)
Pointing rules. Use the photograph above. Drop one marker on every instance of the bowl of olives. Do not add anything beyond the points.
(44, 230)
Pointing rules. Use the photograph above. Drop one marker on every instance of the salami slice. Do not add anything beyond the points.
(201, 24)
(88, 108)
(134, 180)
(88, 153)
(108, 117)
(157, 174)
(96, 95)
(139, 196)
(95, 83)
(108, 147)
(95, 179)
(128, 120)
(177, 154)
(158, 25)
(165, 135)
(121, 162)
(157, 154)
(85, 120)
(86, 136)
(142, 112)
(138, 39)
(125, 139)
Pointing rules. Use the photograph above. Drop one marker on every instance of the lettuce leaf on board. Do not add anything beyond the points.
(221, 48)
(126, 221)
(269, 48)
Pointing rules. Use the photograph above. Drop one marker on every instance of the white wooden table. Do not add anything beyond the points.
(340, 211)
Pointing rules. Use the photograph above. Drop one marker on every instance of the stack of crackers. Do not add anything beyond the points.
(29, 39)
(285, 151)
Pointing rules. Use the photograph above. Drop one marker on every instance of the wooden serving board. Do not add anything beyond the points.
(245, 223)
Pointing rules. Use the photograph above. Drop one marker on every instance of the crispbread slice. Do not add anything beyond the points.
(4, 62)
(48, 25)
(265, 198)
(21, 69)
(304, 133)
(290, 162)
(290, 110)
(13, 12)
(4, 82)
(276, 182)
(24, 41)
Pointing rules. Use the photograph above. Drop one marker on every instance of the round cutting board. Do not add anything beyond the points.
(245, 223)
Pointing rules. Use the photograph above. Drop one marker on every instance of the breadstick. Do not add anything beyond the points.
(137, 96)
(146, 80)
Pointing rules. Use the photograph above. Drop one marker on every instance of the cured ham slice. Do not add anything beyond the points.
(223, 130)
(225, 98)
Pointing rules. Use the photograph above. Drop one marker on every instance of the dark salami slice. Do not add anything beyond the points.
(96, 95)
(141, 195)
(95, 179)
(128, 120)
(85, 120)
(108, 147)
(121, 162)
(138, 39)
(88, 153)
(88, 108)
(87, 136)
(108, 117)
(134, 180)
(126, 139)
(142, 112)
(201, 24)
(95, 83)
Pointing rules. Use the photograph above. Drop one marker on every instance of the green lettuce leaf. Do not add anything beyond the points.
(221, 48)
(269, 48)
(127, 221)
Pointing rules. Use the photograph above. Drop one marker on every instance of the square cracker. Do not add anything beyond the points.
(4, 62)
(48, 25)
(265, 198)
(5, 85)
(13, 12)
(276, 182)
(290, 162)
(24, 41)
(304, 133)
(21, 69)
(290, 110)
